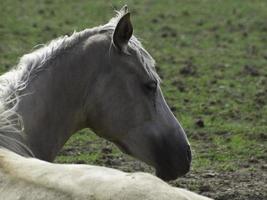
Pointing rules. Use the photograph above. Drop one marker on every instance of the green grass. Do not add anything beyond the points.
(216, 38)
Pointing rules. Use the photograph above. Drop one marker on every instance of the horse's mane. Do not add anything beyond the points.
(14, 81)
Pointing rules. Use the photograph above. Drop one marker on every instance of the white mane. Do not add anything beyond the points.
(14, 81)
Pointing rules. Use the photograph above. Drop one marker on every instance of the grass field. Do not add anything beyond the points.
(212, 57)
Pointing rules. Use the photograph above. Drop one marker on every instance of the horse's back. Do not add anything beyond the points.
(29, 178)
(15, 189)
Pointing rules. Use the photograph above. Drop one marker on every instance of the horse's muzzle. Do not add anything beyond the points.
(170, 171)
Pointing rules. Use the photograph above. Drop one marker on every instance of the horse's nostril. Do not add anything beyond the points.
(189, 154)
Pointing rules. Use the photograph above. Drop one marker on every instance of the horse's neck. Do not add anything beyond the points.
(51, 109)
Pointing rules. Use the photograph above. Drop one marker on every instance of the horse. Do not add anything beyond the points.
(101, 78)
(33, 179)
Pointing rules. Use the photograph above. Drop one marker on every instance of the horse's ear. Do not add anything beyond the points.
(123, 32)
(124, 9)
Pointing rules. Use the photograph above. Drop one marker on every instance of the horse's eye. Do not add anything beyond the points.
(151, 86)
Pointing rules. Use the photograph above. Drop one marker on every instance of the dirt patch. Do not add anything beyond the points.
(251, 70)
(261, 98)
(199, 123)
(167, 31)
(189, 68)
(180, 85)
(237, 185)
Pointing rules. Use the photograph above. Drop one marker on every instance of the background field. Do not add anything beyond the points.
(212, 57)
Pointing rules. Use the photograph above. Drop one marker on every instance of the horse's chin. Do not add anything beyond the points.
(168, 175)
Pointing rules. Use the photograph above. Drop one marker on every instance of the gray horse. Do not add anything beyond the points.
(101, 78)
